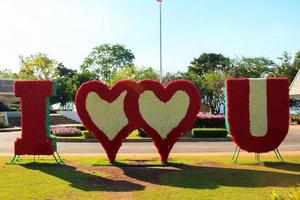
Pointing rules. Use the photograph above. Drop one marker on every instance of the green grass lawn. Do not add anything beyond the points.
(189, 176)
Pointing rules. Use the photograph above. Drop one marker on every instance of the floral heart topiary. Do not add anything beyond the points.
(166, 113)
(108, 112)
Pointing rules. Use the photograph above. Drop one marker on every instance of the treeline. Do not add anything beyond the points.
(110, 63)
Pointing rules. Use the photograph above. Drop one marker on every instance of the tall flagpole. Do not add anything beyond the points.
(160, 42)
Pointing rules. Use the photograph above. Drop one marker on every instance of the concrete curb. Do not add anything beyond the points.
(13, 129)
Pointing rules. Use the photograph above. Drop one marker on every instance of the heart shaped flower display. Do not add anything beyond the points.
(166, 113)
(107, 112)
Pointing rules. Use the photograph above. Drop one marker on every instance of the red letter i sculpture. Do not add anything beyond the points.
(35, 104)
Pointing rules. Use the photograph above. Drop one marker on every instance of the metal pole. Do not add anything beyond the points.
(160, 39)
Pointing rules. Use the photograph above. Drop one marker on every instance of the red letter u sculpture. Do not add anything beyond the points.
(258, 112)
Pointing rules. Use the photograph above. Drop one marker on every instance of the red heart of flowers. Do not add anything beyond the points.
(164, 94)
(111, 146)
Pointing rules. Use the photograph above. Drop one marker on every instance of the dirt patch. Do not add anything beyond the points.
(121, 180)
(141, 173)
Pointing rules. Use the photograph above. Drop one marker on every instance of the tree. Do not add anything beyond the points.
(62, 71)
(286, 67)
(134, 73)
(208, 73)
(106, 59)
(37, 66)
(168, 77)
(6, 73)
(252, 67)
(209, 62)
(68, 81)
(83, 77)
(146, 73)
(296, 63)
(212, 91)
(65, 86)
(65, 92)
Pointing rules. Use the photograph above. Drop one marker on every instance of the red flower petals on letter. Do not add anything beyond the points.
(238, 114)
(34, 139)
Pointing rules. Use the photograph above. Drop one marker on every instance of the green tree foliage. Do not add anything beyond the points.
(212, 90)
(62, 71)
(209, 62)
(6, 73)
(65, 86)
(134, 73)
(296, 63)
(65, 92)
(208, 72)
(286, 67)
(168, 77)
(252, 67)
(106, 59)
(146, 73)
(68, 81)
(37, 66)
(84, 76)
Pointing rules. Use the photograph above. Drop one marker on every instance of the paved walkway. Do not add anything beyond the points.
(291, 143)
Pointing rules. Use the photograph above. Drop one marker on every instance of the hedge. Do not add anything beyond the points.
(209, 132)
(295, 119)
(87, 134)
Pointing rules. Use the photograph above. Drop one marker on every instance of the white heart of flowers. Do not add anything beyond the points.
(110, 118)
(163, 117)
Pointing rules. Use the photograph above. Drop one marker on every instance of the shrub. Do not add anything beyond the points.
(295, 119)
(14, 107)
(209, 121)
(4, 107)
(209, 132)
(65, 132)
(3, 125)
(141, 133)
(87, 134)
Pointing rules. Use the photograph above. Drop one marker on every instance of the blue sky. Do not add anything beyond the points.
(67, 30)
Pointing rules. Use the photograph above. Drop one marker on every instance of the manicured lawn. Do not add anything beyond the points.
(189, 176)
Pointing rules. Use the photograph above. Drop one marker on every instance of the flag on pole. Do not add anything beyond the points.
(159, 1)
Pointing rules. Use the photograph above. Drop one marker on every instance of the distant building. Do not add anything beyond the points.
(295, 87)
(7, 95)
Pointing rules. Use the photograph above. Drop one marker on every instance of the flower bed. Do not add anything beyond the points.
(209, 121)
(66, 132)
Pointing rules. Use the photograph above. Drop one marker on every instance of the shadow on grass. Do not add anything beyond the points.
(198, 177)
(175, 175)
(82, 180)
(283, 166)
